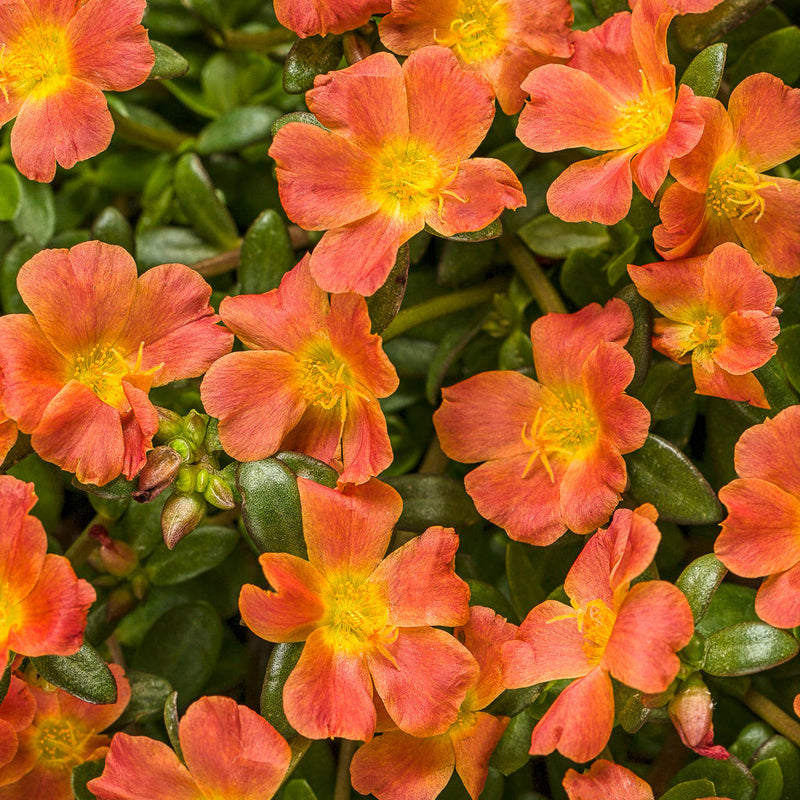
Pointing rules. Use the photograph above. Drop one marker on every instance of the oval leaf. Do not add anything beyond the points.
(699, 581)
(208, 546)
(266, 255)
(84, 674)
(433, 500)
(280, 665)
(169, 63)
(704, 74)
(747, 647)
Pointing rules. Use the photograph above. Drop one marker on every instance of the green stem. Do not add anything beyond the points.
(151, 138)
(442, 305)
(261, 42)
(545, 295)
(771, 714)
(342, 787)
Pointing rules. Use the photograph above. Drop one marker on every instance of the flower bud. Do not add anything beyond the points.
(186, 480)
(218, 493)
(157, 474)
(120, 602)
(170, 424)
(194, 427)
(182, 513)
(690, 711)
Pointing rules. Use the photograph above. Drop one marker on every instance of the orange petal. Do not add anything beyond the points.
(763, 451)
(474, 747)
(606, 780)
(778, 599)
(312, 19)
(366, 448)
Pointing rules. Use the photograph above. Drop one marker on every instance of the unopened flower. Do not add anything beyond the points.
(392, 157)
(77, 371)
(366, 620)
(56, 61)
(553, 447)
(310, 381)
(610, 629)
(717, 315)
(617, 95)
(722, 193)
(691, 713)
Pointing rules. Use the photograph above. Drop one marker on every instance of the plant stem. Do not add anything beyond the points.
(442, 305)
(219, 264)
(346, 752)
(151, 138)
(545, 295)
(771, 714)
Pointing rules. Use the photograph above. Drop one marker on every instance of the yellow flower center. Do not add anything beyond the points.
(733, 192)
(37, 62)
(705, 335)
(58, 745)
(595, 621)
(561, 427)
(103, 369)
(357, 616)
(407, 178)
(478, 32)
(645, 119)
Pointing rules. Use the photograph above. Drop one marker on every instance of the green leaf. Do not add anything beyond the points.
(118, 489)
(20, 252)
(699, 581)
(281, 662)
(182, 646)
(208, 214)
(662, 475)
(639, 343)
(787, 755)
(512, 702)
(271, 507)
(704, 74)
(112, 227)
(308, 58)
(170, 245)
(484, 594)
(789, 353)
(747, 647)
(730, 604)
(451, 344)
(298, 789)
(512, 751)
(310, 468)
(384, 304)
(691, 790)
(582, 278)
(303, 117)
(776, 388)
(770, 779)
(775, 53)
(208, 546)
(524, 579)
(84, 674)
(172, 723)
(208, 10)
(695, 31)
(82, 774)
(169, 63)
(730, 778)
(148, 695)
(10, 191)
(553, 238)
(266, 255)
(433, 500)
(237, 128)
(492, 231)
(36, 212)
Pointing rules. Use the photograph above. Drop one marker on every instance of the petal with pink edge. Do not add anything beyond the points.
(67, 126)
(420, 583)
(293, 609)
(762, 451)
(579, 722)
(341, 687)
(231, 751)
(426, 680)
(778, 599)
(474, 746)
(605, 780)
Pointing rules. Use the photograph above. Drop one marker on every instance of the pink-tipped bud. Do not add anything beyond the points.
(691, 711)
(120, 602)
(157, 474)
(218, 493)
(182, 513)
(117, 558)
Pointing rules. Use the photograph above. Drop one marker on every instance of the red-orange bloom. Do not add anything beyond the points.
(759, 535)
(320, 17)
(16, 713)
(58, 57)
(65, 732)
(717, 315)
(231, 753)
(722, 195)
(611, 629)
(396, 766)
(552, 447)
(503, 40)
(366, 622)
(310, 382)
(8, 432)
(44, 605)
(392, 157)
(617, 94)
(77, 372)
(606, 780)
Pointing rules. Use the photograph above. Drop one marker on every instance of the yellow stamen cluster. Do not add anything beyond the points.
(706, 334)
(407, 179)
(37, 62)
(560, 427)
(478, 32)
(733, 192)
(357, 616)
(596, 622)
(102, 370)
(58, 745)
(645, 119)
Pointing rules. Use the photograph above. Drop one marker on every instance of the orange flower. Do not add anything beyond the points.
(17, 710)
(718, 315)
(44, 606)
(610, 629)
(606, 780)
(393, 156)
(320, 17)
(77, 373)
(759, 535)
(57, 59)
(553, 447)
(64, 733)
(310, 382)
(722, 195)
(366, 622)
(396, 766)
(231, 753)
(503, 40)
(616, 94)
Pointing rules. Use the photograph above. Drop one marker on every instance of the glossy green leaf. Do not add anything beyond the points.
(271, 506)
(182, 646)
(298, 789)
(512, 751)
(84, 674)
(747, 647)
(492, 231)
(112, 227)
(206, 547)
(704, 74)
(281, 662)
(433, 500)
(36, 212)
(169, 63)
(750, 739)
(553, 238)
(512, 702)
(582, 277)
(148, 695)
(770, 779)
(695, 31)
(691, 790)
(82, 774)
(787, 755)
(524, 580)
(730, 778)
(452, 342)
(775, 53)
(304, 117)
(172, 722)
(661, 474)
(731, 603)
(20, 252)
(699, 581)
(310, 468)
(385, 303)
(237, 128)
(484, 594)
(639, 343)
(171, 245)
(308, 58)
(10, 191)
(789, 353)
(776, 387)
